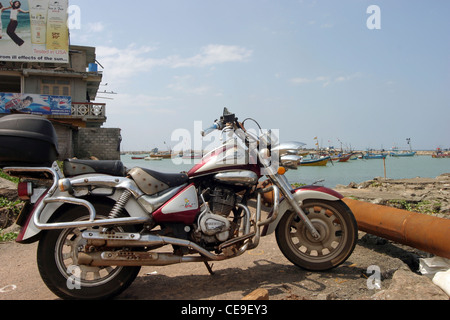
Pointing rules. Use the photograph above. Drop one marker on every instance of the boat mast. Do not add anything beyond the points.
(408, 140)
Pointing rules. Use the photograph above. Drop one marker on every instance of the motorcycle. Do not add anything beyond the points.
(98, 222)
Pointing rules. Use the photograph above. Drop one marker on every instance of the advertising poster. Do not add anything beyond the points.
(35, 104)
(34, 31)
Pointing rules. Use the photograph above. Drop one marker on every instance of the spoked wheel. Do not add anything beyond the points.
(58, 255)
(338, 235)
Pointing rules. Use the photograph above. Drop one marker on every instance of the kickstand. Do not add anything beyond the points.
(209, 267)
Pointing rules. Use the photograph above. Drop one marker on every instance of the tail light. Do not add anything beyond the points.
(25, 190)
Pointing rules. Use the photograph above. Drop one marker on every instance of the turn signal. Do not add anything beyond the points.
(281, 171)
(65, 185)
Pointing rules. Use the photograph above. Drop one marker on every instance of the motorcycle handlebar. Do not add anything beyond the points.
(220, 124)
(214, 127)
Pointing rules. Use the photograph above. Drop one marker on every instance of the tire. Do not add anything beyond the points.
(57, 262)
(338, 229)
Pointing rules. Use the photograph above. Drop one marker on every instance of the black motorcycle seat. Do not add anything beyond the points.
(75, 167)
(171, 179)
(152, 182)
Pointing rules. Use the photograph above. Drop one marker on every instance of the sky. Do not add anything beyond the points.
(342, 71)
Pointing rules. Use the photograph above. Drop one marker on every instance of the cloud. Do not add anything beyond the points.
(325, 80)
(132, 60)
(327, 25)
(348, 78)
(141, 103)
(121, 64)
(300, 81)
(95, 27)
(86, 32)
(184, 84)
(214, 54)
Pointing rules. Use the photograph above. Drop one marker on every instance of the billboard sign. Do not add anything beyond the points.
(34, 31)
(35, 104)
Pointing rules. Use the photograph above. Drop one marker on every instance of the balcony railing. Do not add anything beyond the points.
(84, 109)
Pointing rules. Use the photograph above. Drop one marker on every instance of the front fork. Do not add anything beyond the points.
(286, 189)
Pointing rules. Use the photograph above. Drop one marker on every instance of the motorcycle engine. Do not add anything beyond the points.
(215, 224)
(223, 201)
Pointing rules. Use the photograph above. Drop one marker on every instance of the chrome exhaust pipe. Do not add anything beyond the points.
(119, 240)
(129, 259)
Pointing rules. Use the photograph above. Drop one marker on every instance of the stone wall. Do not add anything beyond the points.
(65, 140)
(101, 143)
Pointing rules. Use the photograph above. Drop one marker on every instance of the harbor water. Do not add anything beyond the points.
(334, 173)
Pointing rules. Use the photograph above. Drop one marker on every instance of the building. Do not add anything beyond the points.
(79, 126)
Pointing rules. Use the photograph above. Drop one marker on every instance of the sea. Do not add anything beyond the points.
(333, 174)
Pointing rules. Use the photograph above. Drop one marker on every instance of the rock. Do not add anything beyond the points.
(13, 229)
(377, 201)
(445, 209)
(259, 294)
(353, 185)
(429, 195)
(407, 285)
(8, 190)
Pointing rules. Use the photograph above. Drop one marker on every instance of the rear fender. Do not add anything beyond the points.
(300, 195)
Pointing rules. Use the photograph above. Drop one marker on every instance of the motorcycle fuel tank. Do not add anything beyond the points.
(229, 157)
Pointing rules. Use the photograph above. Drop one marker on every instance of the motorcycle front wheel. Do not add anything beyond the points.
(57, 259)
(338, 231)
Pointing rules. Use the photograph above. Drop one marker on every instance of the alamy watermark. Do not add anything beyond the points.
(374, 280)
(374, 20)
(74, 17)
(74, 280)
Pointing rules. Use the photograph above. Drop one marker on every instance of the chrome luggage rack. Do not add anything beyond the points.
(57, 176)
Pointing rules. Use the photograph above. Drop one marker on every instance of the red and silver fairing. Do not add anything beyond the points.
(183, 207)
(229, 157)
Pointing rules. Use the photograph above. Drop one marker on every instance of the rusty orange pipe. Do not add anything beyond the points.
(426, 233)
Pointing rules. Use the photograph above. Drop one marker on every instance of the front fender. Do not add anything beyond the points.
(301, 194)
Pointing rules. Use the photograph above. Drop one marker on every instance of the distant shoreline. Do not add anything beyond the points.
(419, 152)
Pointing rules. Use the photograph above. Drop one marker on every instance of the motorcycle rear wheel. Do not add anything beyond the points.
(338, 231)
(57, 259)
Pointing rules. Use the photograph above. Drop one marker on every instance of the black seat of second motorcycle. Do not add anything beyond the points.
(75, 167)
(170, 179)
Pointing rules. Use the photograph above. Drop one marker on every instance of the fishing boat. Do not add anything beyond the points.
(321, 162)
(342, 157)
(403, 154)
(163, 155)
(153, 158)
(397, 153)
(137, 158)
(156, 153)
(369, 155)
(439, 154)
(345, 157)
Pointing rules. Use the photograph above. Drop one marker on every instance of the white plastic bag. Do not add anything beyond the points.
(437, 269)
(430, 266)
(442, 280)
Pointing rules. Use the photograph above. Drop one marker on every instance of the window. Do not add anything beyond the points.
(55, 87)
(10, 84)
